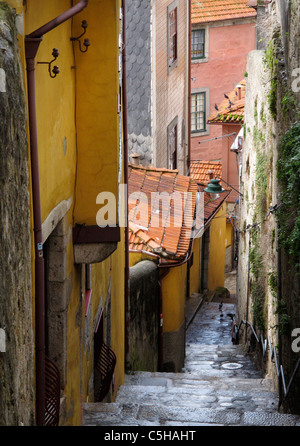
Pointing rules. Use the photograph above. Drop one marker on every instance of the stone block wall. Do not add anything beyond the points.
(171, 85)
(16, 363)
(144, 316)
(272, 107)
(138, 52)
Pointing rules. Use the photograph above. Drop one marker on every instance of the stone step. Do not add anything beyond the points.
(194, 381)
(205, 397)
(219, 386)
(182, 389)
(134, 414)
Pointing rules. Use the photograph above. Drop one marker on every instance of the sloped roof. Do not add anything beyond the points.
(201, 171)
(204, 11)
(162, 230)
(231, 111)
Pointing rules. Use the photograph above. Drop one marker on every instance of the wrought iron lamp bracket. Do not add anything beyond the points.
(86, 42)
(55, 70)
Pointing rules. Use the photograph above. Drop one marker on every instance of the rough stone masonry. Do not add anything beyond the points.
(16, 362)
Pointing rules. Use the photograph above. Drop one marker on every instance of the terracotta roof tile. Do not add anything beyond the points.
(231, 111)
(166, 234)
(204, 11)
(200, 171)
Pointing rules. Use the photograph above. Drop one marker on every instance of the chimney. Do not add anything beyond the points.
(211, 174)
(135, 158)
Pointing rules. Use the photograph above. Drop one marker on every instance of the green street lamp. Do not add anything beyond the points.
(214, 188)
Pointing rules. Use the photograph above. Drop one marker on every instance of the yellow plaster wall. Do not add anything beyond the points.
(55, 105)
(98, 139)
(16, 4)
(216, 264)
(228, 237)
(174, 294)
(78, 135)
(137, 257)
(97, 105)
(107, 277)
(195, 270)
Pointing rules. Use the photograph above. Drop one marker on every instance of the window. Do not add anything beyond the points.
(172, 35)
(172, 144)
(198, 44)
(198, 112)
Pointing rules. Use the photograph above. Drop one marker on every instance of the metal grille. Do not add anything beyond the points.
(105, 367)
(52, 391)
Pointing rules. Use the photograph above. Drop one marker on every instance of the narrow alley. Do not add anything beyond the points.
(219, 386)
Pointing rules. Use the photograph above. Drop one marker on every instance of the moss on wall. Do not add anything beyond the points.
(288, 172)
(257, 285)
(16, 364)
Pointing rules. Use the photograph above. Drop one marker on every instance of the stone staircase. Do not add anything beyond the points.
(219, 386)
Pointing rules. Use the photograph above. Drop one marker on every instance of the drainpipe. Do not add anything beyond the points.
(160, 312)
(279, 297)
(125, 136)
(189, 81)
(248, 286)
(32, 42)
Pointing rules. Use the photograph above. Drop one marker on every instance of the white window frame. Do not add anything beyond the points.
(206, 44)
(207, 111)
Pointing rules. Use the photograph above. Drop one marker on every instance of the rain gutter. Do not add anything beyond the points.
(32, 42)
(189, 81)
(125, 136)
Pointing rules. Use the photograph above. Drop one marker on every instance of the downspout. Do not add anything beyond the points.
(125, 136)
(160, 312)
(248, 289)
(189, 81)
(279, 297)
(32, 42)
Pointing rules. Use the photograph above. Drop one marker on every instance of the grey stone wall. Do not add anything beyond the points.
(144, 316)
(272, 74)
(59, 288)
(16, 363)
(138, 51)
(174, 350)
(288, 15)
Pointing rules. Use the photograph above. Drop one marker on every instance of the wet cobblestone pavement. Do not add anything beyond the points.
(219, 385)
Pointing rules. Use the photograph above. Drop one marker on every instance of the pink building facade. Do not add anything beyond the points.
(219, 50)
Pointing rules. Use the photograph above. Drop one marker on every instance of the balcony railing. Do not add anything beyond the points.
(265, 344)
(105, 367)
(52, 393)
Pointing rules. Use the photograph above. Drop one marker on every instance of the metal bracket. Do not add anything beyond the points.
(54, 72)
(86, 42)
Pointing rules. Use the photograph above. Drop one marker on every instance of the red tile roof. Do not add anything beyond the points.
(204, 11)
(169, 236)
(231, 111)
(201, 171)
(162, 230)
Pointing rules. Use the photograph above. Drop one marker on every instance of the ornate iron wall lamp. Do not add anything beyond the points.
(86, 42)
(214, 188)
(54, 72)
